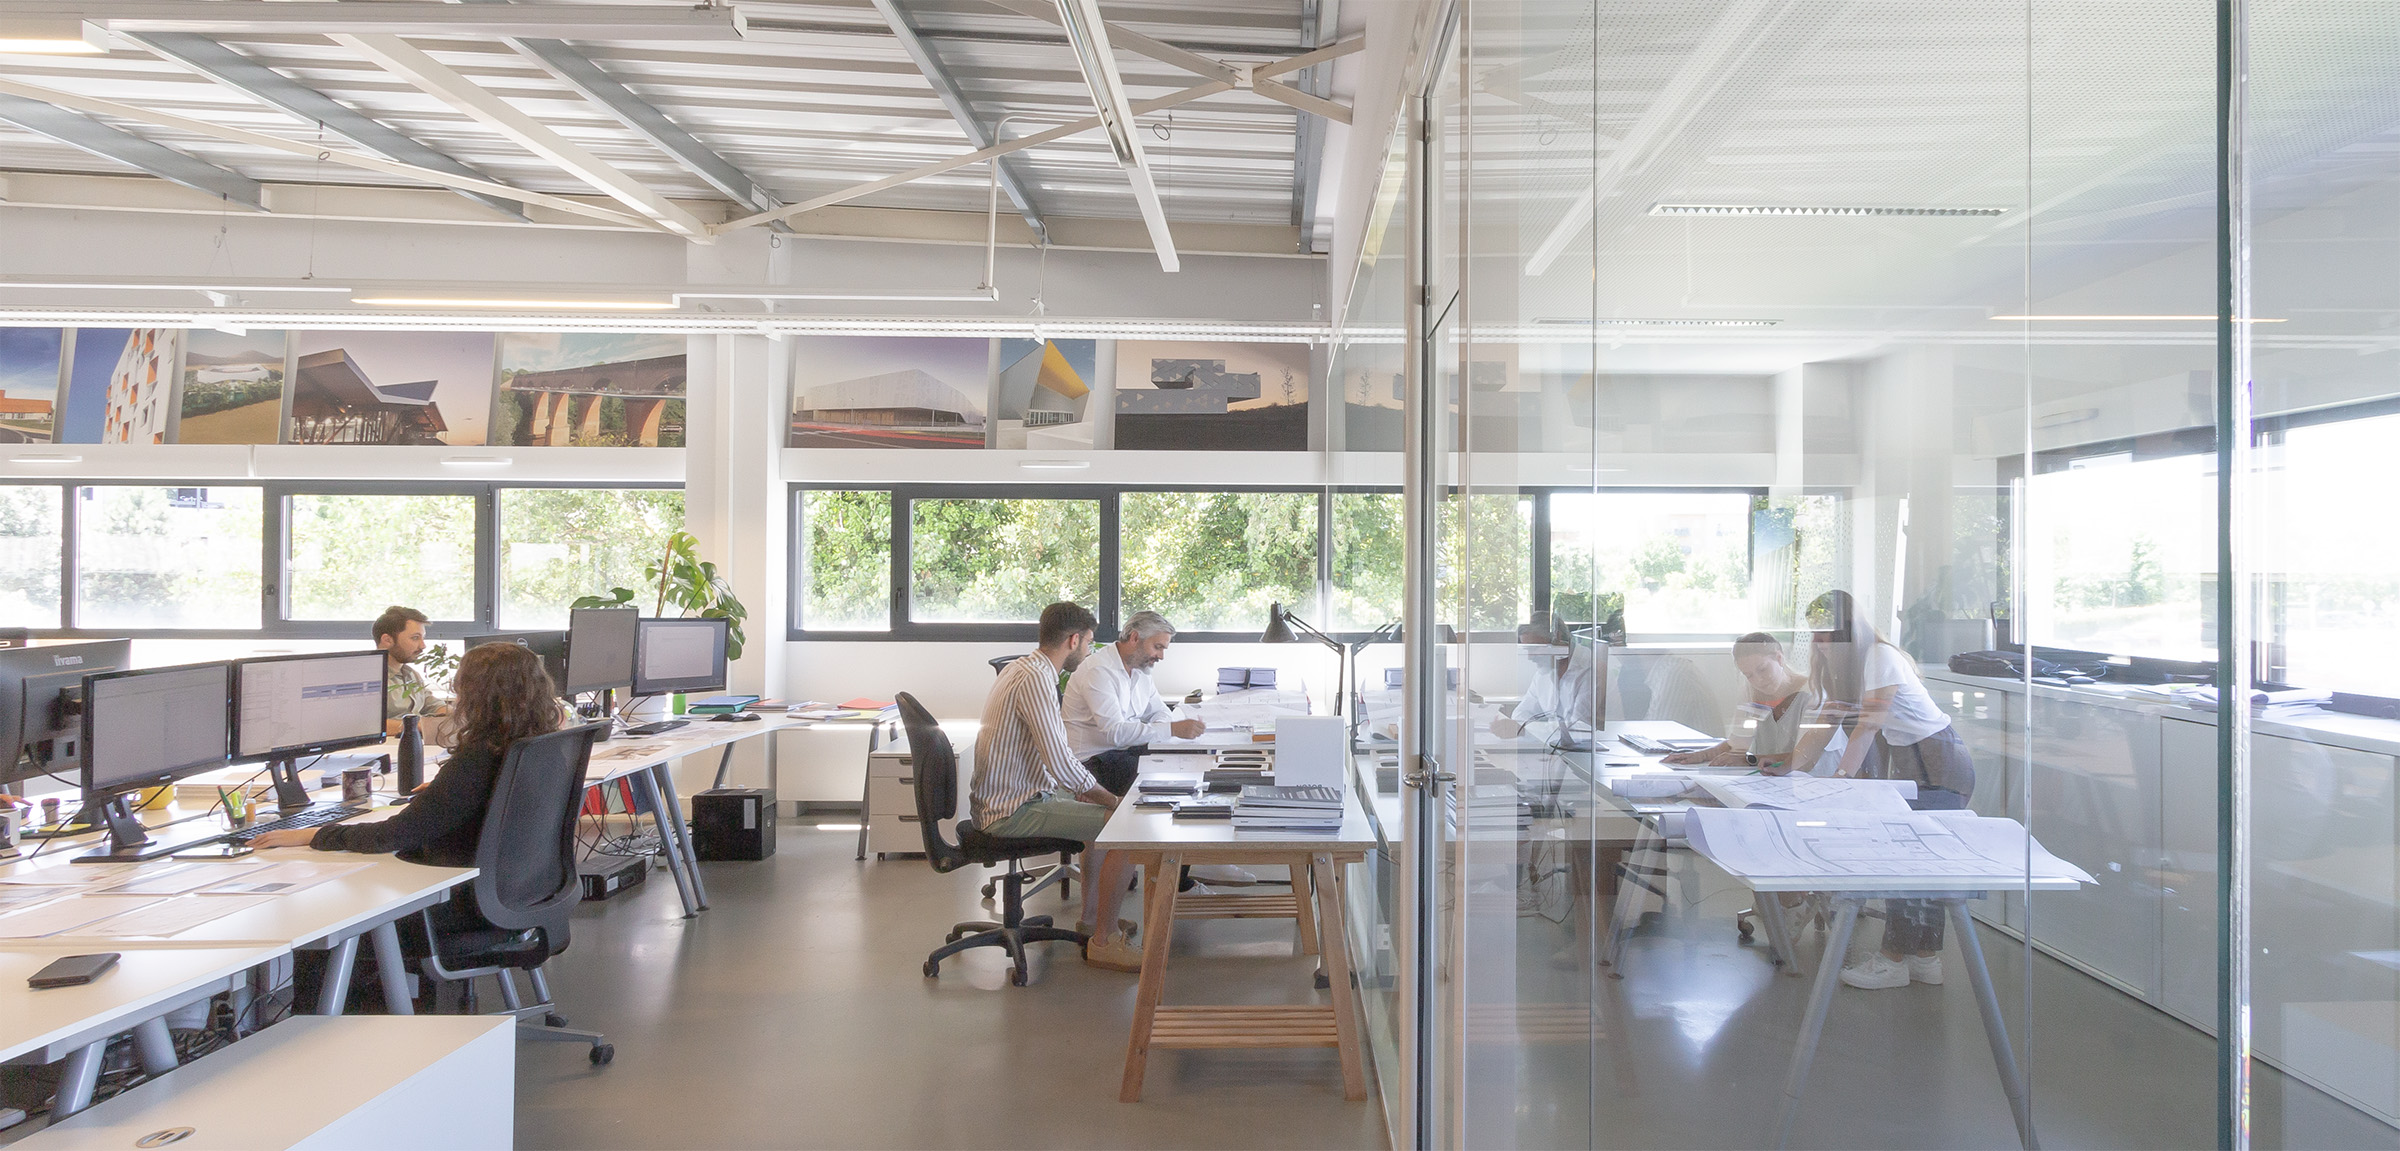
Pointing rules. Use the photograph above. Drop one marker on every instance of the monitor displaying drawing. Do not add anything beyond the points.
(302, 704)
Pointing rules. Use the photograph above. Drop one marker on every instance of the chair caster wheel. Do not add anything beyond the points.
(1324, 981)
(603, 1054)
(988, 889)
(1746, 930)
(933, 970)
(1016, 977)
(554, 1019)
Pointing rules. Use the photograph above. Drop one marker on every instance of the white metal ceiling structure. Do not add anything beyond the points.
(806, 101)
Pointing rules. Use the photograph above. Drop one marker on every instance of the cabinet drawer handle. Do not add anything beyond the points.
(908, 781)
(910, 819)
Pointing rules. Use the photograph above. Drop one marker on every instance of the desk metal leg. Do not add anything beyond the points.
(724, 764)
(339, 961)
(683, 832)
(1158, 927)
(79, 1078)
(1626, 912)
(667, 844)
(155, 1045)
(1781, 939)
(391, 969)
(1812, 1026)
(1995, 1029)
(874, 744)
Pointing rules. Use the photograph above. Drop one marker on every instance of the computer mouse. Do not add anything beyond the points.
(737, 717)
(2081, 679)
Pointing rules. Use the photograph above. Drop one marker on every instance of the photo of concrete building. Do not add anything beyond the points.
(906, 408)
(567, 405)
(1220, 397)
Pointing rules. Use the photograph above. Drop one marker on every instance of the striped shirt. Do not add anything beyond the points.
(1022, 750)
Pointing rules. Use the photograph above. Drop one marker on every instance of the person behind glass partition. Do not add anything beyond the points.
(1544, 645)
(1871, 693)
(1780, 708)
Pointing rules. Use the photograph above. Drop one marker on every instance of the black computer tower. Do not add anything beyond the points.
(733, 823)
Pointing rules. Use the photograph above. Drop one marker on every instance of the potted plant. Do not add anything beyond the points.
(690, 583)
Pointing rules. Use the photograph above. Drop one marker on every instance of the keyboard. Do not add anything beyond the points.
(313, 817)
(657, 727)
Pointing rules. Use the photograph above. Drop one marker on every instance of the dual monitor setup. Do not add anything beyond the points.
(77, 705)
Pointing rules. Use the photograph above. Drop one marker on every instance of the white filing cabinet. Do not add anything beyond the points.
(890, 803)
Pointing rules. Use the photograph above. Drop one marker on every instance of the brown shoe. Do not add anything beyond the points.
(1114, 952)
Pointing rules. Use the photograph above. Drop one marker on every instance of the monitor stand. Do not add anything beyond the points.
(130, 842)
(291, 795)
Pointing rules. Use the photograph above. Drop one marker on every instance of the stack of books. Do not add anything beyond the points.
(1303, 808)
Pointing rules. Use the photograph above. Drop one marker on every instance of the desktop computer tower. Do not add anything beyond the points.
(733, 823)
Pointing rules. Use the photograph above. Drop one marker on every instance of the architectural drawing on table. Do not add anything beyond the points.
(136, 411)
(906, 408)
(1042, 397)
(333, 402)
(566, 402)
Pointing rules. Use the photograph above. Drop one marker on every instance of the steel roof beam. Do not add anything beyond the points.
(414, 65)
(245, 75)
(82, 131)
(945, 86)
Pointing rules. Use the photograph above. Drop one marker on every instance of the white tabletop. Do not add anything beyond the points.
(143, 983)
(331, 910)
(1156, 829)
(625, 754)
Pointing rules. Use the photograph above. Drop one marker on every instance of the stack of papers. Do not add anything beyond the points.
(1494, 807)
(1654, 786)
(1836, 850)
(1309, 807)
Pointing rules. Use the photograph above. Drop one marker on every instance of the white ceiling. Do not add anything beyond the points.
(821, 97)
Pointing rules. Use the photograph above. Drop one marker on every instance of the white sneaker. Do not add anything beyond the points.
(1876, 973)
(1924, 968)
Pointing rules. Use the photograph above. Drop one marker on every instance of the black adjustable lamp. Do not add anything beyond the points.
(1284, 627)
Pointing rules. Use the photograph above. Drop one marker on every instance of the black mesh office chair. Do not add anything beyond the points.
(936, 767)
(525, 886)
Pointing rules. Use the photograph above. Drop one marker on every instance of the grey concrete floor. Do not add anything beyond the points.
(795, 1013)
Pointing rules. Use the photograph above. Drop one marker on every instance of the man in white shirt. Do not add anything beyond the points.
(1112, 708)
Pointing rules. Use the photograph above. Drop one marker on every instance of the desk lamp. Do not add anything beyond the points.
(1284, 627)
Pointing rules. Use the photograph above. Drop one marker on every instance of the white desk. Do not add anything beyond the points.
(1162, 844)
(359, 1084)
(644, 758)
(76, 1023)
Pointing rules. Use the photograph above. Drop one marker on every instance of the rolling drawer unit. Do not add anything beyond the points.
(888, 807)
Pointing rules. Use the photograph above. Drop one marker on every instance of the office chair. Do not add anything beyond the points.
(936, 768)
(526, 885)
(1000, 662)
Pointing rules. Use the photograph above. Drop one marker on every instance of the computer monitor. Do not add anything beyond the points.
(293, 705)
(551, 646)
(1583, 686)
(673, 655)
(149, 727)
(41, 703)
(599, 649)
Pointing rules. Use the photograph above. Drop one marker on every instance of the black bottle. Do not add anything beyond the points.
(412, 755)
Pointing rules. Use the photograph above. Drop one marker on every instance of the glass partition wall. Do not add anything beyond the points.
(1839, 388)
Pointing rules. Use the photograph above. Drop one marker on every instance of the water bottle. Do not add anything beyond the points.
(412, 755)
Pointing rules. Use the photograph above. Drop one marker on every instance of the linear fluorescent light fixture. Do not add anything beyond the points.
(1656, 322)
(1818, 210)
(480, 302)
(137, 286)
(475, 461)
(2132, 319)
(979, 296)
(649, 23)
(45, 459)
(1089, 37)
(51, 36)
(1055, 465)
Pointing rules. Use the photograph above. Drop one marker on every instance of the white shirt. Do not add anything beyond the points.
(1913, 715)
(1109, 706)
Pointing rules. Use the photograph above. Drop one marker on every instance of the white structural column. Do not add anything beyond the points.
(734, 501)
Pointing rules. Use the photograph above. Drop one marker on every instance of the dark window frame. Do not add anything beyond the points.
(275, 546)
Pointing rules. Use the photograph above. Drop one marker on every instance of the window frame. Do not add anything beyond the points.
(275, 546)
(1109, 609)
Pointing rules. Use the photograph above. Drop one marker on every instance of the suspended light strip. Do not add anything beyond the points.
(1655, 322)
(688, 323)
(2130, 319)
(470, 302)
(51, 36)
(981, 295)
(1816, 210)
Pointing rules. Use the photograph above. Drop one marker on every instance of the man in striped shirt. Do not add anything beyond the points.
(1028, 783)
